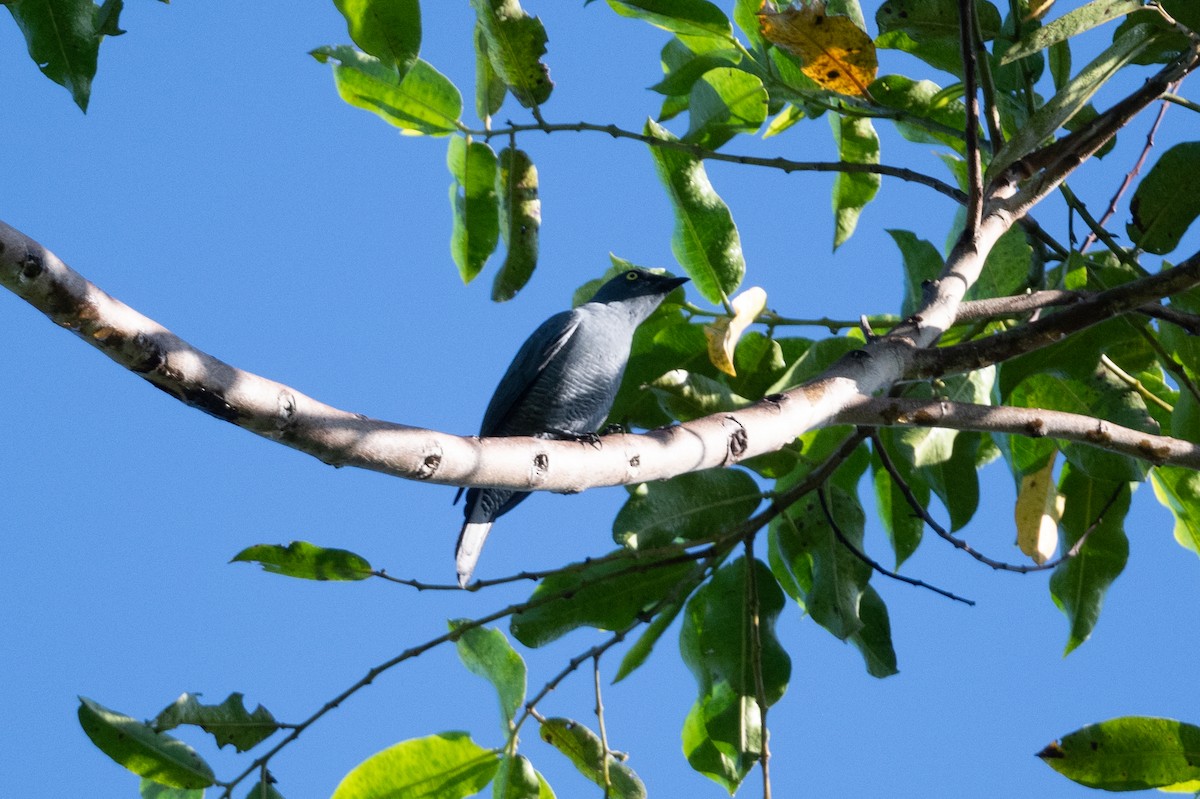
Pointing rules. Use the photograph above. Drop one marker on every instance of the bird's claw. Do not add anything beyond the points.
(567, 435)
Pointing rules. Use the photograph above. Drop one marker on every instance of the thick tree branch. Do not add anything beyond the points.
(1052, 328)
(341, 438)
(1030, 422)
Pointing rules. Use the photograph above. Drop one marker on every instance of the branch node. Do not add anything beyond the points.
(737, 442)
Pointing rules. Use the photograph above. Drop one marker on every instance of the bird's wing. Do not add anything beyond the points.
(531, 360)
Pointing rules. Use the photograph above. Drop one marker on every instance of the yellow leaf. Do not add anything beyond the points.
(837, 54)
(724, 332)
(1038, 8)
(1039, 509)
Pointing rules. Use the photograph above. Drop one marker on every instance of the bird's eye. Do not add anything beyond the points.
(631, 275)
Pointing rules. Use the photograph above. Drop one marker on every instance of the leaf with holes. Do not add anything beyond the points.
(837, 54)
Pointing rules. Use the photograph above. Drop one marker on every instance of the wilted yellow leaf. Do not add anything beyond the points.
(1038, 8)
(837, 54)
(1039, 509)
(725, 331)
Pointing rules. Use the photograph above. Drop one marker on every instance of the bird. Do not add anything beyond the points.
(561, 384)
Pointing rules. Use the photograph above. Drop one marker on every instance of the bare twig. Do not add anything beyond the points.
(923, 513)
(600, 724)
(966, 22)
(874, 564)
(760, 690)
(416, 651)
(1133, 173)
(696, 151)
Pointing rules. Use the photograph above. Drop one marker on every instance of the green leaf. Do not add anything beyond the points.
(686, 396)
(644, 645)
(1071, 99)
(901, 522)
(228, 722)
(1006, 270)
(922, 263)
(108, 17)
(259, 791)
(923, 99)
(928, 29)
(716, 639)
(1073, 23)
(520, 221)
(745, 15)
(829, 578)
(686, 58)
(1166, 201)
(956, 479)
(723, 736)
(490, 90)
(874, 638)
(609, 594)
(474, 203)
(698, 17)
(63, 41)
(725, 102)
(586, 752)
(1059, 57)
(1178, 489)
(448, 765)
(946, 459)
(1078, 356)
(705, 240)
(143, 751)
(517, 779)
(857, 144)
(307, 561)
(1102, 396)
(815, 360)
(390, 30)
(1077, 586)
(149, 789)
(1131, 753)
(487, 653)
(723, 763)
(687, 507)
(515, 44)
(759, 360)
(423, 101)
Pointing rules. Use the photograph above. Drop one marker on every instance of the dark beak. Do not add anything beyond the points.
(670, 284)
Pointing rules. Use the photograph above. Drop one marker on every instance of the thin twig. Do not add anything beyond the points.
(966, 19)
(600, 723)
(692, 579)
(760, 690)
(420, 649)
(696, 151)
(875, 565)
(923, 513)
(1133, 173)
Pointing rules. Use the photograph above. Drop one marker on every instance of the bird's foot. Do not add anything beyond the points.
(567, 435)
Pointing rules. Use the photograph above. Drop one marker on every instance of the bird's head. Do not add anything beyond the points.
(636, 284)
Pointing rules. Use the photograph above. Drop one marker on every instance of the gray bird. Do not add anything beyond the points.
(561, 384)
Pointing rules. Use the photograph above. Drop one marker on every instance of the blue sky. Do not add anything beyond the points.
(219, 186)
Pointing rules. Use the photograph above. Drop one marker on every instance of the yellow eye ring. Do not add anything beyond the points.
(631, 275)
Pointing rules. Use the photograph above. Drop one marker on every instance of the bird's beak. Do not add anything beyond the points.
(675, 283)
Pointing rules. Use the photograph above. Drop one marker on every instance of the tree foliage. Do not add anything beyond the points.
(1072, 363)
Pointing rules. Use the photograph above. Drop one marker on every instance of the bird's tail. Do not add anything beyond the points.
(470, 546)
